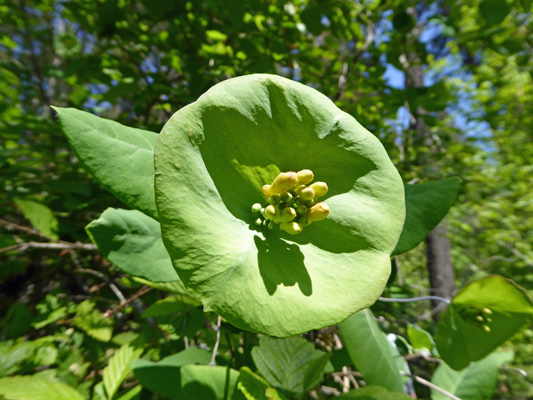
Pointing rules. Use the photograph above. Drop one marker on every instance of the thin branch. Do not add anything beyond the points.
(412, 299)
(23, 229)
(50, 246)
(139, 293)
(113, 287)
(215, 347)
(430, 385)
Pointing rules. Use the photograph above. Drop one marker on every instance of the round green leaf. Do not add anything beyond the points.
(211, 160)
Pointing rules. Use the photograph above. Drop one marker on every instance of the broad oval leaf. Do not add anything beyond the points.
(476, 382)
(213, 157)
(481, 317)
(291, 364)
(162, 377)
(132, 241)
(373, 393)
(119, 157)
(371, 352)
(426, 205)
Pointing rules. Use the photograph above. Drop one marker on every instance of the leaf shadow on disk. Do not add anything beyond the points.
(282, 263)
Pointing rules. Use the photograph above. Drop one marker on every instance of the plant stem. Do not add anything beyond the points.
(409, 300)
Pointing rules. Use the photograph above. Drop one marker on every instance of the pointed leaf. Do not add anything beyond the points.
(481, 317)
(212, 159)
(373, 393)
(40, 216)
(475, 382)
(371, 352)
(426, 205)
(256, 388)
(132, 241)
(118, 368)
(291, 364)
(119, 157)
(35, 388)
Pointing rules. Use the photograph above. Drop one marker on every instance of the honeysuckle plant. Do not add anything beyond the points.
(212, 161)
(265, 203)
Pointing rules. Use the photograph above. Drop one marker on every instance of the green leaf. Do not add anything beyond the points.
(481, 317)
(256, 388)
(132, 241)
(133, 394)
(373, 393)
(494, 11)
(475, 382)
(203, 382)
(40, 216)
(371, 352)
(292, 364)
(118, 368)
(167, 306)
(93, 322)
(34, 388)
(426, 205)
(163, 377)
(419, 338)
(119, 157)
(212, 159)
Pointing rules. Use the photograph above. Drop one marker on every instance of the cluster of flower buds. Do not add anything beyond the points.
(292, 202)
(480, 318)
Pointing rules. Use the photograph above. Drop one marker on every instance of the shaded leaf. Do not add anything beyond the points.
(481, 317)
(419, 338)
(426, 205)
(256, 388)
(373, 393)
(132, 241)
(291, 364)
(371, 352)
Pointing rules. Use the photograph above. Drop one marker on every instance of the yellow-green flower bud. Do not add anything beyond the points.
(487, 311)
(307, 194)
(258, 221)
(286, 197)
(305, 176)
(303, 220)
(310, 203)
(256, 208)
(270, 225)
(302, 210)
(274, 199)
(479, 318)
(486, 328)
(284, 182)
(292, 227)
(286, 215)
(320, 188)
(271, 212)
(318, 212)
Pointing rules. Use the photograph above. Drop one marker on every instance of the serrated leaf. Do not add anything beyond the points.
(426, 205)
(118, 368)
(371, 352)
(93, 322)
(132, 241)
(291, 364)
(253, 387)
(35, 388)
(119, 157)
(40, 216)
(481, 317)
(475, 382)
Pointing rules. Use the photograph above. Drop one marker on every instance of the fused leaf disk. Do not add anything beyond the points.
(212, 159)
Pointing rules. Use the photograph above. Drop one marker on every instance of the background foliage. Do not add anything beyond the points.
(71, 318)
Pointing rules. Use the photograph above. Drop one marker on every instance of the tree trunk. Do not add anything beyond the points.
(439, 265)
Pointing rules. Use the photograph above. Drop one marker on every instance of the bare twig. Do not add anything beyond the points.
(112, 286)
(140, 292)
(409, 300)
(24, 229)
(50, 246)
(430, 385)
(215, 347)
